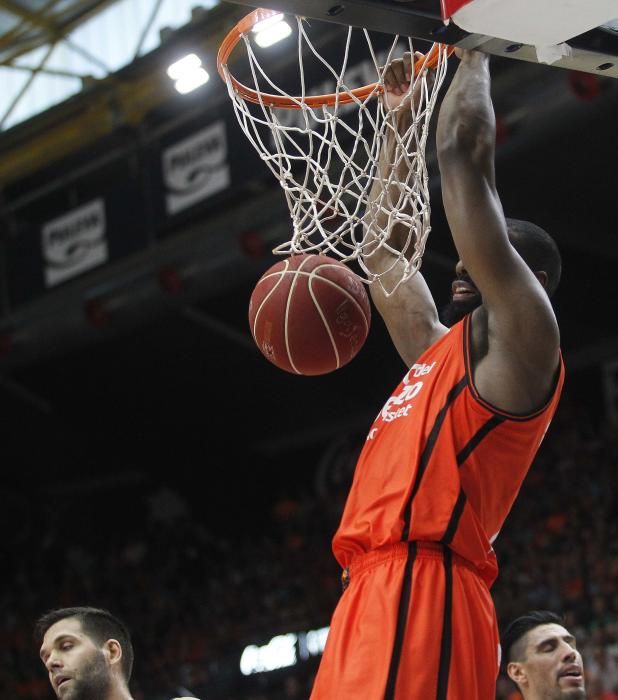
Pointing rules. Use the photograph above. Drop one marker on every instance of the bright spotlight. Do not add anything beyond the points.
(188, 74)
(185, 65)
(268, 22)
(191, 81)
(270, 31)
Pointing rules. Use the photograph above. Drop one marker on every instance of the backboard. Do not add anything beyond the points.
(575, 45)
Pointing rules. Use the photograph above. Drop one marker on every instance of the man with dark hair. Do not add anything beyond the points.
(535, 247)
(87, 653)
(446, 456)
(541, 657)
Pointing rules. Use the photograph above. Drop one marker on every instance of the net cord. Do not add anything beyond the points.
(327, 184)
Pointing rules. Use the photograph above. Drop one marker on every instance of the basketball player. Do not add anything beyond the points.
(541, 657)
(446, 456)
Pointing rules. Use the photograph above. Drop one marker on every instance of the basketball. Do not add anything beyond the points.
(309, 314)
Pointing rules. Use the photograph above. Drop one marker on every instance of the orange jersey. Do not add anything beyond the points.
(415, 623)
(433, 485)
(439, 463)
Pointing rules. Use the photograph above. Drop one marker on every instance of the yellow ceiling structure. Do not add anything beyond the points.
(28, 24)
(104, 103)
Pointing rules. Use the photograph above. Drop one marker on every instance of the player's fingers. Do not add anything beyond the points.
(420, 63)
(391, 84)
(408, 66)
(397, 75)
(409, 62)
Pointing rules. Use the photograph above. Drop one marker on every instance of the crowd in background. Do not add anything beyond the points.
(559, 548)
(194, 600)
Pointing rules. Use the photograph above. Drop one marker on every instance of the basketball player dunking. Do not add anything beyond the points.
(446, 456)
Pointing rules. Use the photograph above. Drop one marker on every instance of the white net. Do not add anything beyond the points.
(353, 171)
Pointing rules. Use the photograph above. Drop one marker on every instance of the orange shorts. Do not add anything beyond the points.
(415, 623)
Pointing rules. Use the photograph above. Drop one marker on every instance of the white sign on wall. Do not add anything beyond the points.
(74, 242)
(282, 651)
(196, 168)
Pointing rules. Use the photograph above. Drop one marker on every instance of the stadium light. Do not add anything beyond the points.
(188, 73)
(272, 30)
(282, 651)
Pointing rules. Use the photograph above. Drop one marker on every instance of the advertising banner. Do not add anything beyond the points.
(196, 168)
(74, 242)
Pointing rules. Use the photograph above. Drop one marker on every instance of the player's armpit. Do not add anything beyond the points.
(518, 373)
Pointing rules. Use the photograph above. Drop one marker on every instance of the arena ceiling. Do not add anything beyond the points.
(50, 51)
(28, 24)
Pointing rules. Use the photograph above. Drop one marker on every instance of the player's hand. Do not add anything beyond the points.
(471, 56)
(397, 78)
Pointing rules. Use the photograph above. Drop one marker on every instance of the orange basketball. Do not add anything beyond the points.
(309, 314)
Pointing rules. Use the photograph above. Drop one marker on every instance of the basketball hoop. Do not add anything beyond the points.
(325, 148)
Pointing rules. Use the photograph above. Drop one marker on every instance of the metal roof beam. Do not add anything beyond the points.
(29, 19)
(51, 30)
(37, 19)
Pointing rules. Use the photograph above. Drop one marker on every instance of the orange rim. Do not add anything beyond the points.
(246, 24)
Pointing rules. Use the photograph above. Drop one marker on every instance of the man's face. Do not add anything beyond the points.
(77, 668)
(552, 667)
(465, 297)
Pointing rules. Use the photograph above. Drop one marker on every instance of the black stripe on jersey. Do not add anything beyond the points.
(463, 455)
(447, 623)
(477, 438)
(402, 618)
(520, 418)
(451, 528)
(427, 451)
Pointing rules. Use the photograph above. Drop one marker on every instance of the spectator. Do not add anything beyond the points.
(542, 658)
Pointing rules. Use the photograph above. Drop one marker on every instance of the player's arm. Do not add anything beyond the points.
(518, 357)
(409, 312)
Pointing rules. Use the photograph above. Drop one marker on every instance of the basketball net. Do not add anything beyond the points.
(337, 148)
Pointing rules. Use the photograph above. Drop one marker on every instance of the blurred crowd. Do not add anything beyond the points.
(193, 600)
(559, 548)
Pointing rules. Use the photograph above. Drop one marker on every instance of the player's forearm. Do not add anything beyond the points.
(391, 168)
(466, 123)
(386, 191)
(465, 141)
